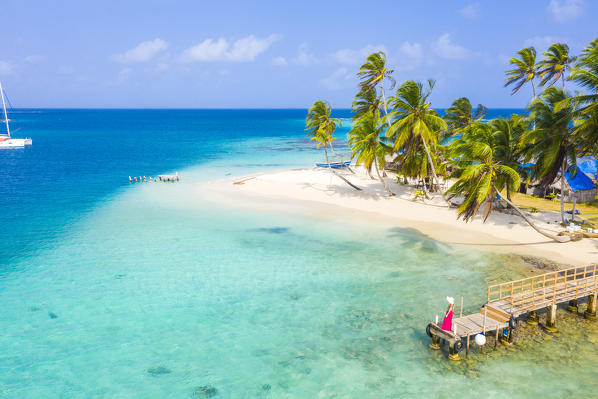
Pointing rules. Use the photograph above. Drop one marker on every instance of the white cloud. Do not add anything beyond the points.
(6, 68)
(542, 42)
(339, 79)
(470, 11)
(411, 55)
(355, 57)
(242, 50)
(34, 58)
(280, 61)
(445, 48)
(564, 10)
(143, 52)
(304, 57)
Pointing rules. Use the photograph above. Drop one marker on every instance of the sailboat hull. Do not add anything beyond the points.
(14, 143)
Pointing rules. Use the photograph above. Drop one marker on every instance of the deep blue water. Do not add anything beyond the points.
(78, 157)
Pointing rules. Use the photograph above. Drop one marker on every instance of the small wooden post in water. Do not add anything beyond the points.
(590, 312)
(496, 336)
(467, 347)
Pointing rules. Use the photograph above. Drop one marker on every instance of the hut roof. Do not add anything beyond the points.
(579, 182)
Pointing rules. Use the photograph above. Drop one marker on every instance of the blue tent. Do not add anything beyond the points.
(579, 182)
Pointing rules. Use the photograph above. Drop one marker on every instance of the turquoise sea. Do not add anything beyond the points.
(118, 290)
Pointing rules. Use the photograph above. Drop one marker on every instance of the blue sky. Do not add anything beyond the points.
(262, 54)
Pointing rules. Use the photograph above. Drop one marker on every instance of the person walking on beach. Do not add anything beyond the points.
(447, 322)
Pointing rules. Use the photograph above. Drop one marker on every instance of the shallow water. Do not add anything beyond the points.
(151, 292)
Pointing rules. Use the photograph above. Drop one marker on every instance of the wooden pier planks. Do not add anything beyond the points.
(474, 324)
(539, 298)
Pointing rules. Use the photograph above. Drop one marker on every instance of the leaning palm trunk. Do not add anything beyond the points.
(545, 234)
(390, 193)
(369, 170)
(342, 160)
(563, 191)
(385, 104)
(434, 177)
(336, 174)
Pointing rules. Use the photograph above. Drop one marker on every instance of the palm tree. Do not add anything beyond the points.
(585, 74)
(506, 134)
(366, 102)
(555, 63)
(364, 139)
(414, 120)
(525, 70)
(461, 114)
(373, 74)
(586, 129)
(552, 142)
(484, 179)
(321, 127)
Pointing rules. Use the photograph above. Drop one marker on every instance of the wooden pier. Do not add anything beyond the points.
(506, 302)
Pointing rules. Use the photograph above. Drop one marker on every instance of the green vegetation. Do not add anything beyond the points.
(484, 157)
(589, 210)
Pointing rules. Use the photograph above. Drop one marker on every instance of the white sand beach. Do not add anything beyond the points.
(318, 193)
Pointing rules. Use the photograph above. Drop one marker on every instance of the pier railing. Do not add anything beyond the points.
(545, 288)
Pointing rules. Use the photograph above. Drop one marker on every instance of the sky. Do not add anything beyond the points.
(270, 54)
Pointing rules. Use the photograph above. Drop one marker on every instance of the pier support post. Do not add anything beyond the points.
(453, 355)
(551, 318)
(590, 312)
(467, 347)
(572, 306)
(435, 343)
(507, 339)
(532, 318)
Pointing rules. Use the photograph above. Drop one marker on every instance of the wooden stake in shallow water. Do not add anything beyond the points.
(496, 337)
(467, 347)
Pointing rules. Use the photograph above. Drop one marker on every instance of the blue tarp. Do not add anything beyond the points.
(589, 166)
(579, 182)
(527, 165)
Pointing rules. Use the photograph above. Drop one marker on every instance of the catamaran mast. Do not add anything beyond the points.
(4, 108)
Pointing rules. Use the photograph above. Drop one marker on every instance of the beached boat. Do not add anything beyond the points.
(5, 140)
(334, 165)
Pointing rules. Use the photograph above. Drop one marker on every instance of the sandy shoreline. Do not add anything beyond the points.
(318, 193)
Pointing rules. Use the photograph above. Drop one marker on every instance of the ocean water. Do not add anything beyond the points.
(118, 290)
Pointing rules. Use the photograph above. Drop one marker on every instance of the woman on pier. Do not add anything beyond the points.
(447, 322)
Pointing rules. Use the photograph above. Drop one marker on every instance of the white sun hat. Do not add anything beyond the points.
(450, 300)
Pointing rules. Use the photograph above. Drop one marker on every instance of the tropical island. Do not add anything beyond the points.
(525, 184)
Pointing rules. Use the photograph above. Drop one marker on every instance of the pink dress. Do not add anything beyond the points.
(447, 323)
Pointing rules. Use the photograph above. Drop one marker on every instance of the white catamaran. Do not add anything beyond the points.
(5, 140)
